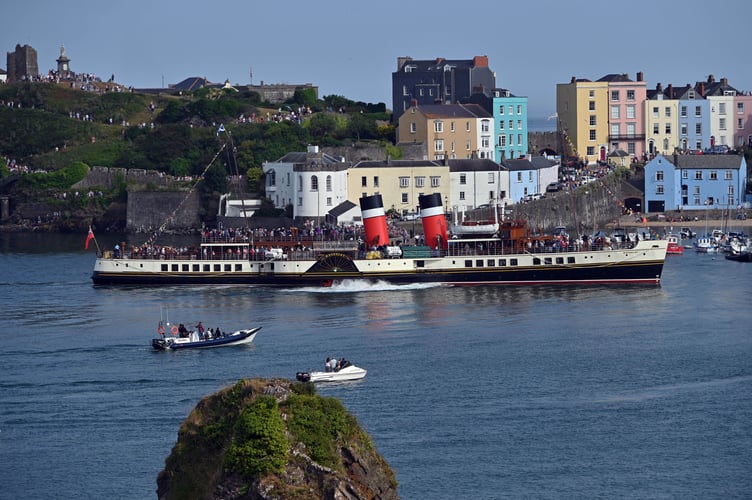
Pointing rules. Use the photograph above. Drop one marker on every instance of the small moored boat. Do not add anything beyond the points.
(350, 372)
(674, 244)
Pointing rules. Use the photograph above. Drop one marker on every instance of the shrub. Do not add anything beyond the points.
(259, 443)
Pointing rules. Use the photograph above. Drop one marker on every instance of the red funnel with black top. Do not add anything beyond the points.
(374, 221)
(434, 222)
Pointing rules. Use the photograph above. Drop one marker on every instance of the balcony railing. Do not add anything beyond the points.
(627, 137)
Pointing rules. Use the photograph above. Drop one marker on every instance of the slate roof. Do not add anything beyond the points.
(474, 165)
(705, 161)
(614, 78)
(342, 208)
(434, 111)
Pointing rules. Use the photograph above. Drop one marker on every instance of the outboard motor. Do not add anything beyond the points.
(374, 221)
(303, 376)
(434, 222)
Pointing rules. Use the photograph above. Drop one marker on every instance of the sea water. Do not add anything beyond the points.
(483, 392)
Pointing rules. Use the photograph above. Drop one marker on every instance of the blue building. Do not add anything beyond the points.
(694, 182)
(510, 125)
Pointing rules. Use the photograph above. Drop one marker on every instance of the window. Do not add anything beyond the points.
(501, 124)
(659, 189)
(271, 178)
(698, 175)
(438, 126)
(420, 181)
(404, 88)
(740, 123)
(667, 112)
(509, 109)
(329, 183)
(668, 128)
(591, 106)
(630, 95)
(683, 111)
(615, 112)
(452, 149)
(698, 129)
(685, 174)
(656, 128)
(630, 111)
(491, 178)
(510, 124)
(615, 129)
(375, 182)
(502, 140)
(435, 181)
(698, 111)
(713, 175)
(592, 135)
(314, 183)
(729, 175)
(404, 198)
(721, 108)
(300, 201)
(485, 142)
(591, 93)
(519, 109)
(467, 127)
(404, 182)
(614, 95)
(467, 145)
(740, 108)
(463, 179)
(631, 148)
(462, 196)
(484, 126)
(328, 201)
(438, 145)
(519, 124)
(684, 129)
(501, 110)
(519, 139)
(630, 129)
(593, 120)
(300, 183)
(413, 127)
(590, 151)
(665, 144)
(451, 126)
(519, 176)
(659, 176)
(722, 123)
(530, 176)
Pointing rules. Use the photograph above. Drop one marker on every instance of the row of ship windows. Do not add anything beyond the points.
(468, 263)
(537, 261)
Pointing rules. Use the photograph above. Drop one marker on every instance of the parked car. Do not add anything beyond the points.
(554, 187)
(741, 216)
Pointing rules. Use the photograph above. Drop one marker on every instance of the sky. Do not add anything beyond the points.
(350, 48)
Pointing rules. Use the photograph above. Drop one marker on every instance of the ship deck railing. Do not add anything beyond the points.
(458, 248)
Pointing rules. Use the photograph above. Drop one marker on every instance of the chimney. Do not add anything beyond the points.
(480, 61)
(670, 91)
(702, 90)
(573, 80)
(659, 87)
(413, 103)
(640, 76)
(724, 82)
(711, 79)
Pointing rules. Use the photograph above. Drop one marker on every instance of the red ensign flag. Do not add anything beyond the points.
(89, 237)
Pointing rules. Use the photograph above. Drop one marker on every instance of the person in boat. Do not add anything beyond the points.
(327, 366)
(332, 364)
(182, 331)
(200, 329)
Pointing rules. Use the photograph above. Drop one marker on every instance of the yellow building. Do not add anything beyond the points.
(661, 123)
(582, 109)
(449, 131)
(399, 182)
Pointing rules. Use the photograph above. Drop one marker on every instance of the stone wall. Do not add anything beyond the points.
(592, 207)
(147, 211)
(106, 177)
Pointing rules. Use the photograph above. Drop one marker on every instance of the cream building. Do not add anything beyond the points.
(582, 108)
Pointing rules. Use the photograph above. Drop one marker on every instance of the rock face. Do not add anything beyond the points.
(273, 439)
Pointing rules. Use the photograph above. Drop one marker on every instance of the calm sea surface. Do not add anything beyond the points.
(483, 393)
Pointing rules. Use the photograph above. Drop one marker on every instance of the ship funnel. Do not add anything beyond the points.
(374, 221)
(434, 222)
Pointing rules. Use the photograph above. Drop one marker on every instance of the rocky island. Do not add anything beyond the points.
(273, 439)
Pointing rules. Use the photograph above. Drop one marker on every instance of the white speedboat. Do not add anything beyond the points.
(350, 372)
